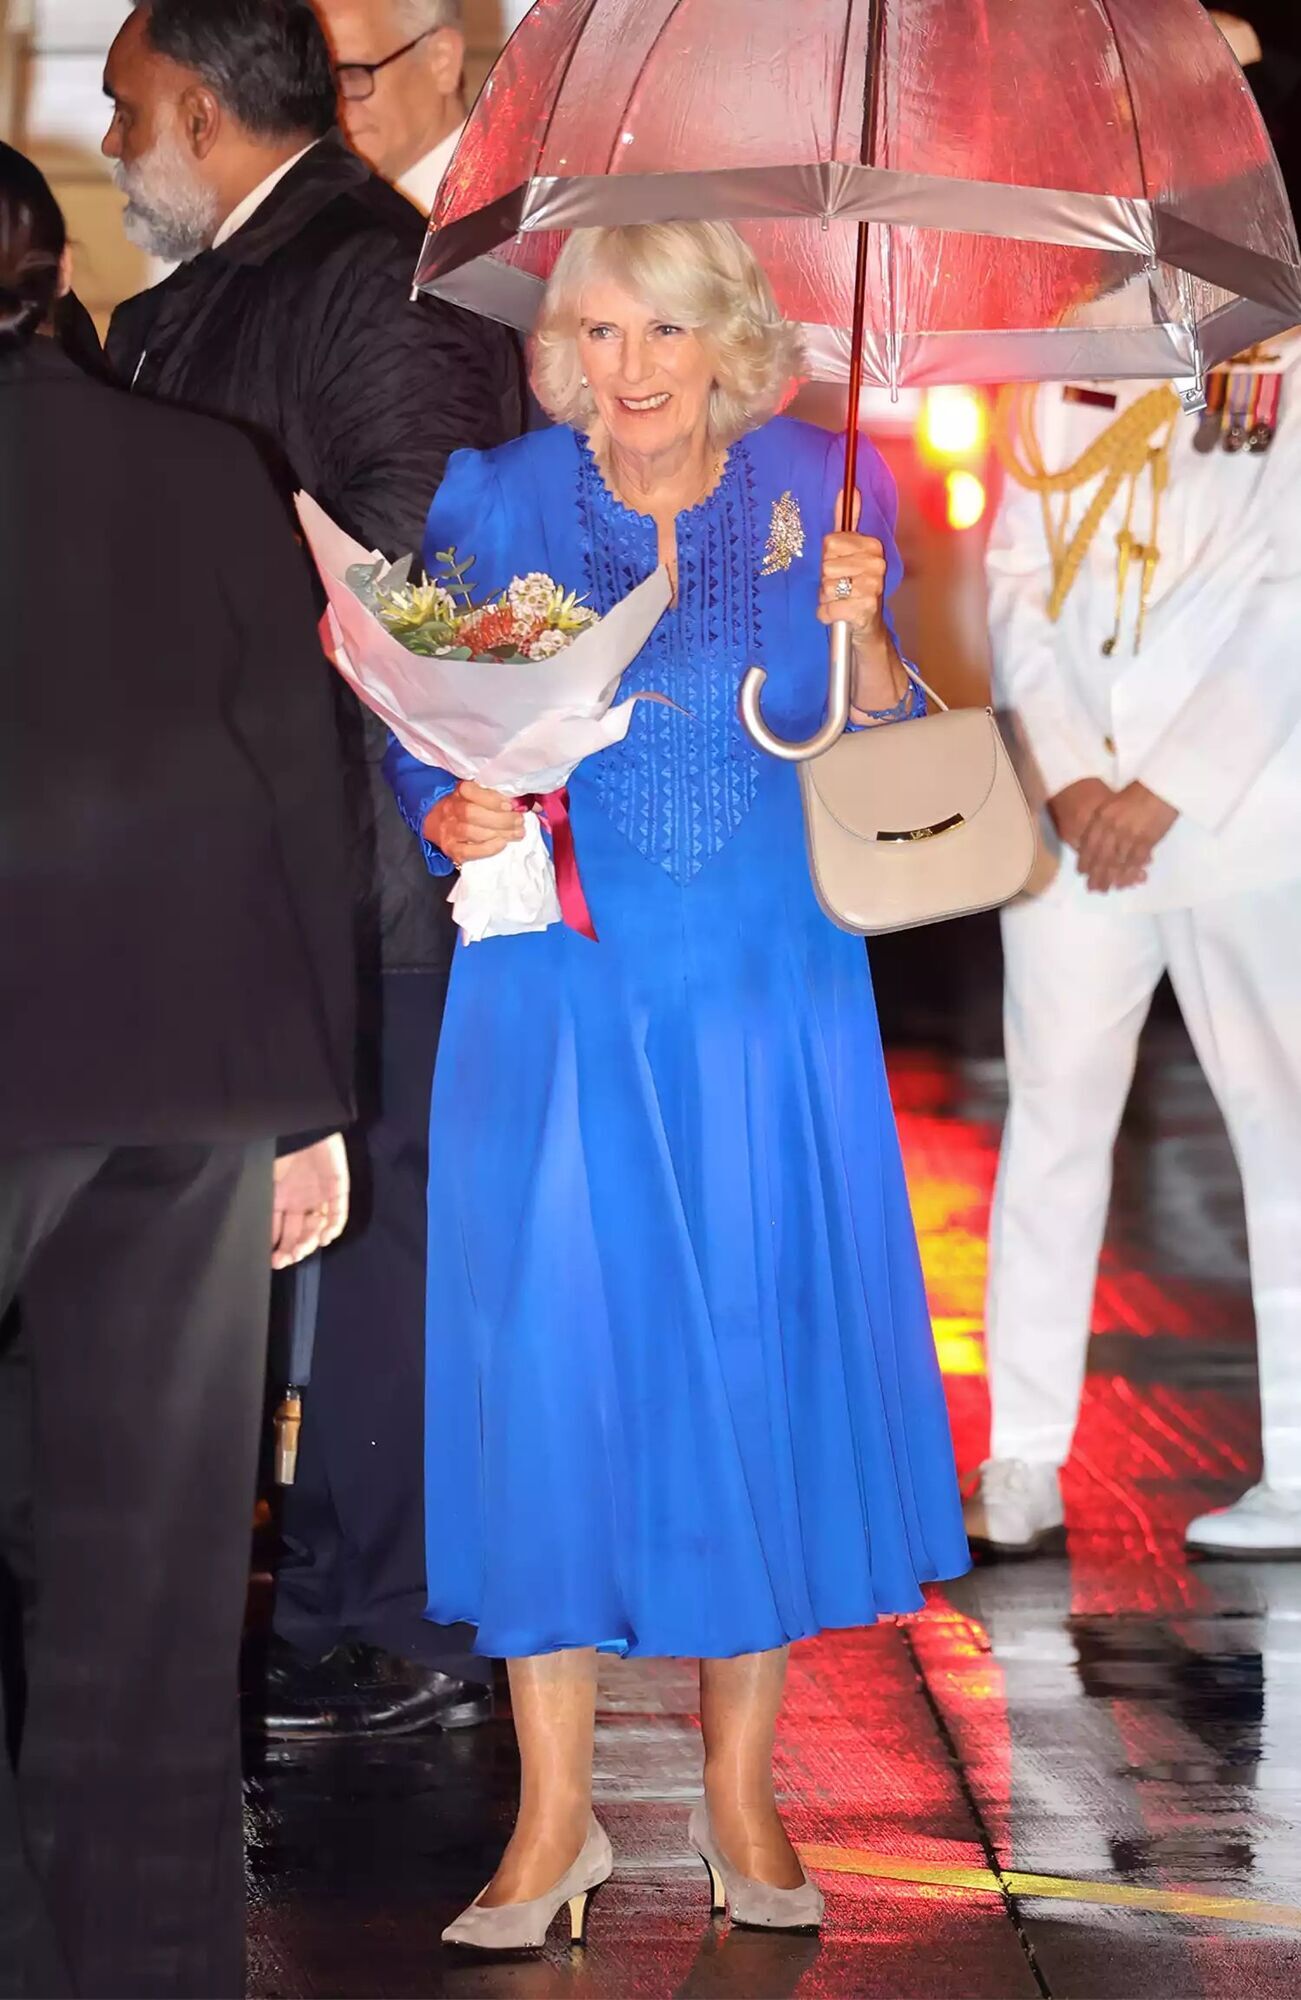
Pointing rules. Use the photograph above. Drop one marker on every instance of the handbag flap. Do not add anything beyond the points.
(909, 777)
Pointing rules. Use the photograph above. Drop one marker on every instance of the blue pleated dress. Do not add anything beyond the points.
(682, 1393)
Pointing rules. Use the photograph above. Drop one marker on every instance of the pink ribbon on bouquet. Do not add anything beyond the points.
(552, 809)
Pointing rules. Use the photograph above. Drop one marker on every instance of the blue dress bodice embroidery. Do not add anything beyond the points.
(685, 776)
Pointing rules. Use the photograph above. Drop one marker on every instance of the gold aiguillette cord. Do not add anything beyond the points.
(1139, 440)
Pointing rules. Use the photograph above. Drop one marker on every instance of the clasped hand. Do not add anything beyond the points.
(310, 1204)
(472, 823)
(1112, 833)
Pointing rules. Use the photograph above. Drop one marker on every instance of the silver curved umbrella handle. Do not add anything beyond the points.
(839, 683)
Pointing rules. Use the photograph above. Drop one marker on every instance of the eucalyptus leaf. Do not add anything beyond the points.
(362, 580)
(452, 575)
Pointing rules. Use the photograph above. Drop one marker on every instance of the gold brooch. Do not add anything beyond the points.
(785, 536)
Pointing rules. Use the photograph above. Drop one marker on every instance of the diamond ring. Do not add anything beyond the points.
(844, 588)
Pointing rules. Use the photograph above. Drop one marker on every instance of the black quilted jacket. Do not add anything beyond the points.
(301, 328)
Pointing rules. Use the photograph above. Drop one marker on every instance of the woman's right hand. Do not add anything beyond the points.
(471, 823)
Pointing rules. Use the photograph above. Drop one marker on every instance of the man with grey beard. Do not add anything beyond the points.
(290, 313)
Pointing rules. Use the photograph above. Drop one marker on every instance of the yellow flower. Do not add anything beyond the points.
(566, 613)
(415, 606)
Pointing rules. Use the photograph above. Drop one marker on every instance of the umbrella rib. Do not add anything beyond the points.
(1135, 128)
(656, 39)
(872, 88)
(561, 81)
(841, 82)
(874, 104)
(1141, 158)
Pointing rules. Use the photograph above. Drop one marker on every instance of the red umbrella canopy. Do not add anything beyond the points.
(1049, 190)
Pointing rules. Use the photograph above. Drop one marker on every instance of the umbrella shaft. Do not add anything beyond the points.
(858, 325)
(855, 383)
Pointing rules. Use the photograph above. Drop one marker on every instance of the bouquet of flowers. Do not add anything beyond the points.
(513, 693)
(533, 619)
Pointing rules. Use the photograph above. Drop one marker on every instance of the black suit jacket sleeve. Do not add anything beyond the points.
(283, 710)
(397, 385)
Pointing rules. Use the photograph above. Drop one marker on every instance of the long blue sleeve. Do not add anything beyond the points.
(469, 517)
(417, 787)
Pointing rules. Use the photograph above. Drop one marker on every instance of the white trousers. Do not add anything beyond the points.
(1080, 976)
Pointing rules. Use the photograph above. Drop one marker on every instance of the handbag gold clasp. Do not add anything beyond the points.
(926, 832)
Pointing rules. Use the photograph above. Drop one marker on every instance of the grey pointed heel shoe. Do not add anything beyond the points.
(753, 1905)
(524, 1926)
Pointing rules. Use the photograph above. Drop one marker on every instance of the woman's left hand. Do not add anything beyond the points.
(859, 561)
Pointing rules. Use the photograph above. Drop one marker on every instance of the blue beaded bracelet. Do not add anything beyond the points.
(900, 709)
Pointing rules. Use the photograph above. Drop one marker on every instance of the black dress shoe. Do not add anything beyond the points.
(356, 1691)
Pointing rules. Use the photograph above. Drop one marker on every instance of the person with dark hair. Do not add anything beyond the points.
(176, 994)
(292, 315)
(213, 103)
(37, 295)
(34, 260)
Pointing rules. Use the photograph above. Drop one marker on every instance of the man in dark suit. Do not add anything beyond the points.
(176, 993)
(291, 313)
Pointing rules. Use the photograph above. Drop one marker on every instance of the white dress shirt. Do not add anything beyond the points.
(422, 182)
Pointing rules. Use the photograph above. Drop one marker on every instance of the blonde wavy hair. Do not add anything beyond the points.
(700, 275)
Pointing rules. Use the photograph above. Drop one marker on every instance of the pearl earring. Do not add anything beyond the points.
(583, 380)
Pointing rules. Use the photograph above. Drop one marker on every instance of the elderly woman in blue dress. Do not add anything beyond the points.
(682, 1394)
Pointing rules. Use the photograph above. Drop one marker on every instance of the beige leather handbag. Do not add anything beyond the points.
(913, 822)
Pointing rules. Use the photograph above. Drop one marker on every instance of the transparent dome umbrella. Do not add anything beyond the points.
(939, 190)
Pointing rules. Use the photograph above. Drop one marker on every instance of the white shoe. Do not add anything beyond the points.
(1016, 1509)
(1265, 1523)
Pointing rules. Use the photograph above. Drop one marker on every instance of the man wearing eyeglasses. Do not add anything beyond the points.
(399, 68)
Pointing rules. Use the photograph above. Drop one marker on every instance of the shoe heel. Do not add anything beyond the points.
(579, 1907)
(717, 1893)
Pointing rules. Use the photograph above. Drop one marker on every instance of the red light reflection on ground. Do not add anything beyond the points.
(1149, 1452)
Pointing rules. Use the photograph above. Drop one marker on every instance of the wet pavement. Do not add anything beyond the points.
(1073, 1777)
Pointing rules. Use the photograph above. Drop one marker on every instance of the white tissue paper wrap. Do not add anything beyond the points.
(518, 728)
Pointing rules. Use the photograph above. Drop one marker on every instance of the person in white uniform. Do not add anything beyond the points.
(1149, 653)
(400, 65)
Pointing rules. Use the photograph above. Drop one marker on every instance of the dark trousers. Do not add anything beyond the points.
(130, 1395)
(354, 1520)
